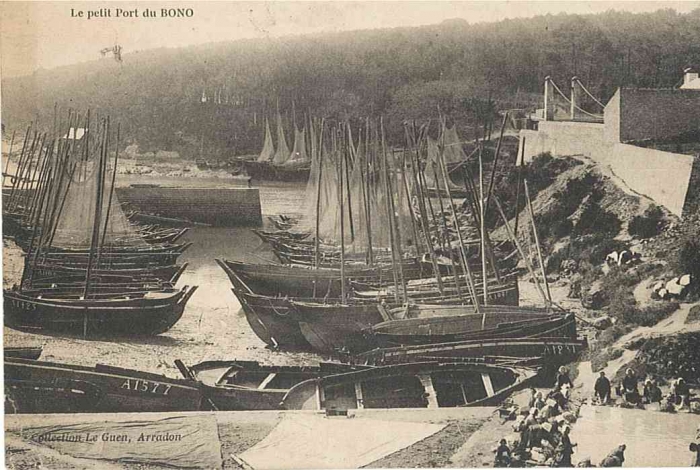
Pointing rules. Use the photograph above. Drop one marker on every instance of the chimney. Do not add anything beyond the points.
(689, 76)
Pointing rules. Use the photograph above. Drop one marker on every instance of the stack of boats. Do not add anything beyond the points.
(87, 270)
(378, 270)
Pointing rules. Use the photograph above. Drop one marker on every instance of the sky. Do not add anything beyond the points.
(36, 35)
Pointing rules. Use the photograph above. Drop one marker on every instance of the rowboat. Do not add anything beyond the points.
(47, 387)
(23, 352)
(412, 385)
(249, 385)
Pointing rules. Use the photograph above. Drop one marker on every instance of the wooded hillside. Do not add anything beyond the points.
(402, 73)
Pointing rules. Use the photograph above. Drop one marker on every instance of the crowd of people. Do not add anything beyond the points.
(545, 425)
(678, 398)
(544, 429)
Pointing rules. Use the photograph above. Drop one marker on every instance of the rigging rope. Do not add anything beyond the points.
(597, 116)
(589, 94)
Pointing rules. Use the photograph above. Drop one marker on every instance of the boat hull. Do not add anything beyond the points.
(45, 387)
(543, 351)
(412, 385)
(271, 320)
(265, 171)
(150, 315)
(304, 281)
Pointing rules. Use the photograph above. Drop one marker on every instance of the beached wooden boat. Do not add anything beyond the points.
(305, 281)
(348, 327)
(268, 317)
(116, 273)
(505, 293)
(249, 385)
(23, 352)
(490, 324)
(540, 350)
(150, 313)
(47, 387)
(412, 385)
(333, 328)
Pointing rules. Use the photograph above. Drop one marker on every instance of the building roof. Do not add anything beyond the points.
(692, 85)
(74, 133)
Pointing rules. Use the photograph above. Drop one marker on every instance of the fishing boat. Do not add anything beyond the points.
(360, 327)
(48, 387)
(307, 281)
(281, 164)
(170, 272)
(412, 385)
(149, 313)
(491, 323)
(23, 352)
(267, 316)
(541, 351)
(249, 385)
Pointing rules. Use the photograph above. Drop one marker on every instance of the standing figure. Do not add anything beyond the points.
(564, 449)
(602, 389)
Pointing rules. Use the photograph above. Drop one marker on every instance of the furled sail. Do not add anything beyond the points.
(268, 151)
(453, 153)
(298, 156)
(282, 153)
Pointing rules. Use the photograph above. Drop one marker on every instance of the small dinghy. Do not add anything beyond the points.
(249, 385)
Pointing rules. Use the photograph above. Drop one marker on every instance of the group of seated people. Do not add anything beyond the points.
(628, 389)
(542, 426)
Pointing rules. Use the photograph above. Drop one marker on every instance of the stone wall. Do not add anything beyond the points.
(662, 176)
(656, 114)
(566, 138)
(216, 206)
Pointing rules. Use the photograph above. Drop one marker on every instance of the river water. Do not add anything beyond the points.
(213, 325)
(653, 439)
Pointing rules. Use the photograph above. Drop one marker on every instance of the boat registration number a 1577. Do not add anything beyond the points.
(559, 349)
(146, 386)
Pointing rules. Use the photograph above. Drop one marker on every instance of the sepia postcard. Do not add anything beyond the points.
(345, 234)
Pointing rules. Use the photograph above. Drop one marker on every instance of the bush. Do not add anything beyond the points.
(653, 314)
(647, 225)
(688, 262)
(594, 219)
